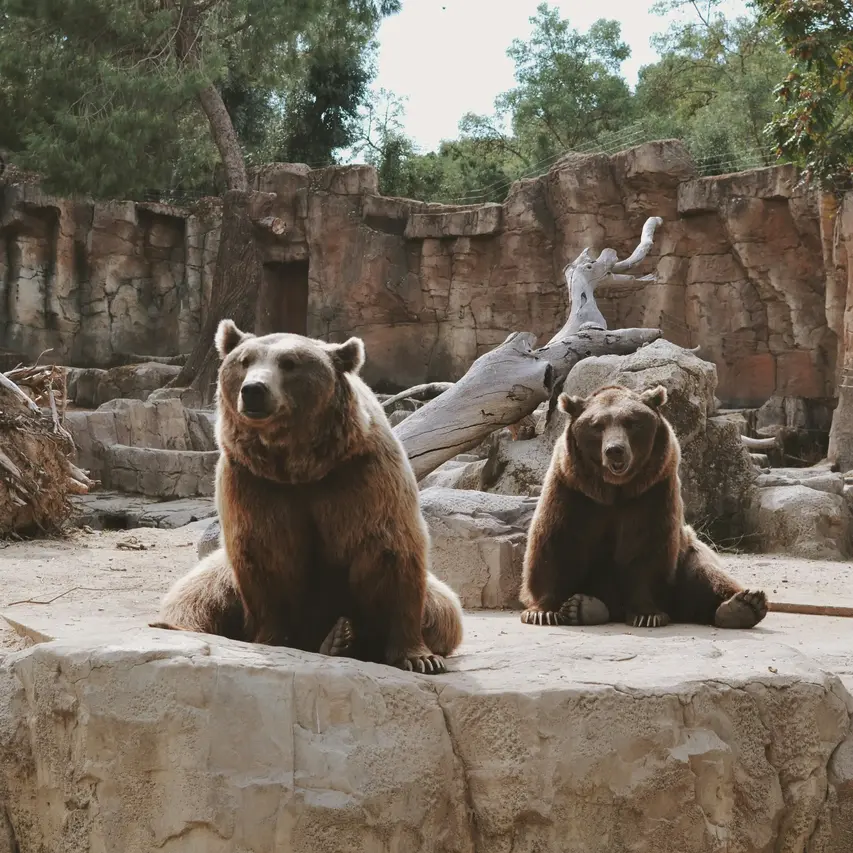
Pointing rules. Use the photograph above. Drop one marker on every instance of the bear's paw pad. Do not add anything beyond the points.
(743, 610)
(340, 639)
(541, 617)
(583, 609)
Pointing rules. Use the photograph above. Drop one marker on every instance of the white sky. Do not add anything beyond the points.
(448, 57)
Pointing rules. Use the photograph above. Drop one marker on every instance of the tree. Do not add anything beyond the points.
(111, 97)
(569, 88)
(815, 125)
(713, 86)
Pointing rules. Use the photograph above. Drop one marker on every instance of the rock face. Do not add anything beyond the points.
(574, 743)
(158, 449)
(803, 521)
(717, 473)
(741, 270)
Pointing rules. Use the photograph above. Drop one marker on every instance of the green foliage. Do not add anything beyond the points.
(569, 90)
(713, 87)
(102, 96)
(815, 126)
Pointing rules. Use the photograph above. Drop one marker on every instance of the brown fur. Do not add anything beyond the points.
(319, 513)
(608, 539)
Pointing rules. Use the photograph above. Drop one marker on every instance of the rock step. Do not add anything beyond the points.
(554, 740)
(116, 511)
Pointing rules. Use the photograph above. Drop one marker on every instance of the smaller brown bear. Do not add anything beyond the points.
(323, 543)
(608, 540)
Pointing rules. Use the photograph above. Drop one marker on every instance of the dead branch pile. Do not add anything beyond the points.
(36, 473)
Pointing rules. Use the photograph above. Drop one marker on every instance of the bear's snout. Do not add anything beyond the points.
(617, 456)
(255, 400)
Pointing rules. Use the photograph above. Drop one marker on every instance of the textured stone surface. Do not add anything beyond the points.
(803, 522)
(584, 742)
(90, 387)
(478, 543)
(155, 472)
(163, 424)
(115, 511)
(119, 739)
(740, 262)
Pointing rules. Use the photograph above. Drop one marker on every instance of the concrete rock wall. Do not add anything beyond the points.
(745, 269)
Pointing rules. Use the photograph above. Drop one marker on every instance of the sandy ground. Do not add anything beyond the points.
(111, 582)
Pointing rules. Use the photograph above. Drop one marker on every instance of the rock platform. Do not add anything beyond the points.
(117, 738)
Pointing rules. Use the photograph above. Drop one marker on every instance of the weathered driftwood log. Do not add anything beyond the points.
(507, 384)
(500, 388)
(584, 274)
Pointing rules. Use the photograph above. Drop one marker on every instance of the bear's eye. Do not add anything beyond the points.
(286, 364)
(245, 360)
(597, 425)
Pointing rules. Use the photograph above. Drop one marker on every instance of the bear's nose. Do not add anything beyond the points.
(254, 396)
(615, 453)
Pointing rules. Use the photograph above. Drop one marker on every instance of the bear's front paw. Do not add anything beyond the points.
(584, 610)
(743, 610)
(532, 616)
(340, 639)
(648, 620)
(423, 661)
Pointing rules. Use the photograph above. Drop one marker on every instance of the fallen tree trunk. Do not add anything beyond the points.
(506, 384)
(500, 388)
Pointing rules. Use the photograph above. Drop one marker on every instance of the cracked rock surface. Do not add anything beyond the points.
(120, 739)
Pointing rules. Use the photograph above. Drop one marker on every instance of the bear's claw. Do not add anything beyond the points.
(541, 617)
(428, 664)
(649, 620)
(744, 609)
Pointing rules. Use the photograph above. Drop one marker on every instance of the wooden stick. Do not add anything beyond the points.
(430, 388)
(9, 385)
(810, 609)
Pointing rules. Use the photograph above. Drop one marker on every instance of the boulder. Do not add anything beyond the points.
(478, 542)
(717, 473)
(153, 472)
(802, 522)
(91, 387)
(572, 742)
(461, 472)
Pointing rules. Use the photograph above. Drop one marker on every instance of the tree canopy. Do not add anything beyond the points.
(712, 87)
(815, 126)
(116, 97)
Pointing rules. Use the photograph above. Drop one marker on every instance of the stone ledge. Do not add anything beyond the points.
(474, 222)
(161, 473)
(539, 739)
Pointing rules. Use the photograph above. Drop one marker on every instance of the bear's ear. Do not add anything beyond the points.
(654, 398)
(228, 337)
(348, 357)
(573, 406)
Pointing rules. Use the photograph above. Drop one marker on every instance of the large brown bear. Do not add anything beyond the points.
(608, 540)
(318, 506)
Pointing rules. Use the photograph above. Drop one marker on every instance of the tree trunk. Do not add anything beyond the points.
(225, 137)
(236, 282)
(841, 433)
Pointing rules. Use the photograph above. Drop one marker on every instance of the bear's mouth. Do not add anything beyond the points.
(617, 468)
(255, 414)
